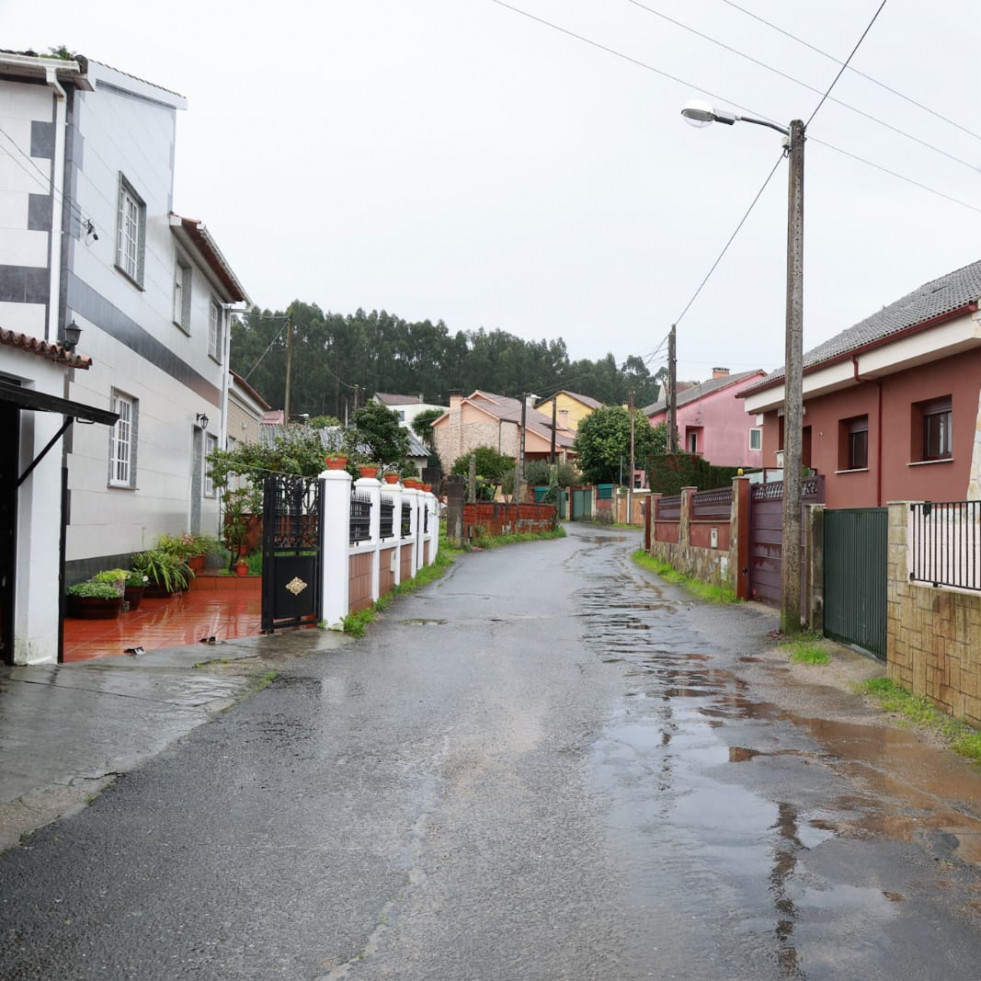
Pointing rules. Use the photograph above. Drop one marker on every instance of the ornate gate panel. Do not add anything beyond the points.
(292, 551)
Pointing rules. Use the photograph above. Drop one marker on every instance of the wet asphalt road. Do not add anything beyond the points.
(546, 766)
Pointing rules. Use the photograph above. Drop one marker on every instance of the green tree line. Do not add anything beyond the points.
(339, 361)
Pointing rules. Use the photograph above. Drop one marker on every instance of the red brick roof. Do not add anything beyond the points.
(43, 349)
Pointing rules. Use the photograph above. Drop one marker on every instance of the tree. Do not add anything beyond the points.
(422, 425)
(491, 465)
(603, 443)
(377, 428)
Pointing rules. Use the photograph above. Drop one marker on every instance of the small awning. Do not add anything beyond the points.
(29, 398)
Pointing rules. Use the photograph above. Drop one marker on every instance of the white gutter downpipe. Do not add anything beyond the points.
(56, 244)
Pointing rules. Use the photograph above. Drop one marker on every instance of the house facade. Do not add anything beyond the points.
(712, 419)
(891, 405)
(406, 407)
(246, 410)
(568, 409)
(91, 243)
(485, 419)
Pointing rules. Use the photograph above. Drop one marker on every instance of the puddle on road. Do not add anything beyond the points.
(731, 809)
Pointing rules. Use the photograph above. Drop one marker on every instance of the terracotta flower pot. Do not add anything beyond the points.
(391, 478)
(428, 488)
(133, 595)
(241, 568)
(336, 462)
(368, 471)
(94, 607)
(196, 562)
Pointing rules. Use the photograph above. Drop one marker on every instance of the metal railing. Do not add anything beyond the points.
(360, 528)
(945, 544)
(386, 518)
(406, 527)
(669, 508)
(712, 504)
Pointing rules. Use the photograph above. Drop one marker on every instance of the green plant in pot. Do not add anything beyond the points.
(165, 573)
(115, 577)
(92, 600)
(134, 588)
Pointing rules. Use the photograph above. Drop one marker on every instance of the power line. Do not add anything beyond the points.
(811, 88)
(854, 71)
(725, 249)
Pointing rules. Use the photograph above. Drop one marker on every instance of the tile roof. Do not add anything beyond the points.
(44, 349)
(955, 291)
(388, 399)
(509, 410)
(692, 393)
(586, 400)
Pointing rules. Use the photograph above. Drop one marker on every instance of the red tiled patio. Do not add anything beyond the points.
(223, 607)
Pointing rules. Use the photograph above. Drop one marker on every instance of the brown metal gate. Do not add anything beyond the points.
(766, 536)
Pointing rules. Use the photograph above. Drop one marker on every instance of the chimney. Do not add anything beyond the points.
(456, 397)
(720, 372)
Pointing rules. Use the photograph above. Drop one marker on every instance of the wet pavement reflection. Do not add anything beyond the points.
(763, 853)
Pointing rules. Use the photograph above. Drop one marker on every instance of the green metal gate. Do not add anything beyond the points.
(582, 501)
(855, 583)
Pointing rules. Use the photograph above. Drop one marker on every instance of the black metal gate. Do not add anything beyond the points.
(855, 576)
(292, 551)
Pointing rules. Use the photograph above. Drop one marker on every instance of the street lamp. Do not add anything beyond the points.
(702, 114)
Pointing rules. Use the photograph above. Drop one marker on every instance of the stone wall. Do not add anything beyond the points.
(934, 635)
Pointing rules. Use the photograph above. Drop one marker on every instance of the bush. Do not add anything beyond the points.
(94, 590)
(669, 472)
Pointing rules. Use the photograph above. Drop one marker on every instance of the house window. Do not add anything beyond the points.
(853, 443)
(691, 439)
(122, 442)
(130, 232)
(214, 332)
(182, 295)
(756, 439)
(935, 418)
(210, 445)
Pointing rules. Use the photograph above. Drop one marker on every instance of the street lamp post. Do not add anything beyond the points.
(702, 114)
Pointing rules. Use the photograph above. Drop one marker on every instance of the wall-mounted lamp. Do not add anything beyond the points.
(201, 420)
(72, 333)
(91, 235)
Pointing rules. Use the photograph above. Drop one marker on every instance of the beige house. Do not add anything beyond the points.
(485, 419)
(246, 408)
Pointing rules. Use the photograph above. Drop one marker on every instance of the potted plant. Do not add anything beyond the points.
(91, 600)
(134, 588)
(166, 574)
(236, 523)
(241, 566)
(115, 577)
(368, 470)
(336, 461)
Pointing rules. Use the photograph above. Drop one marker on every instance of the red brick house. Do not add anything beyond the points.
(712, 419)
(891, 405)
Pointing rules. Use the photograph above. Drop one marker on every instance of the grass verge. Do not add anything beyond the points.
(918, 712)
(482, 540)
(708, 592)
(807, 648)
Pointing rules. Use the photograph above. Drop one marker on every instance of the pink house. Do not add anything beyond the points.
(712, 419)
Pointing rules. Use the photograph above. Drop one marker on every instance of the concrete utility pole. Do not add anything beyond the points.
(289, 364)
(519, 466)
(672, 392)
(793, 387)
(702, 114)
(555, 410)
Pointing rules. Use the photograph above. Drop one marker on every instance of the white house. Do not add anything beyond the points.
(90, 241)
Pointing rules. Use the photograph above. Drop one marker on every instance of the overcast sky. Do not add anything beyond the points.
(457, 160)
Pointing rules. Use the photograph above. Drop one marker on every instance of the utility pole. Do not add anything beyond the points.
(289, 363)
(519, 466)
(555, 406)
(793, 387)
(672, 391)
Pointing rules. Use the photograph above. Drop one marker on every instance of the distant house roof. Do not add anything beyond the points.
(586, 400)
(241, 383)
(44, 349)
(692, 392)
(388, 399)
(956, 293)
(416, 446)
(274, 417)
(509, 410)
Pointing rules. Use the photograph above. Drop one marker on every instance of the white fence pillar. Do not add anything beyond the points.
(335, 566)
(371, 488)
(394, 492)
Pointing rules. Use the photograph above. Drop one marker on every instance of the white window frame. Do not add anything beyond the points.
(210, 444)
(756, 439)
(122, 441)
(130, 232)
(215, 338)
(182, 294)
